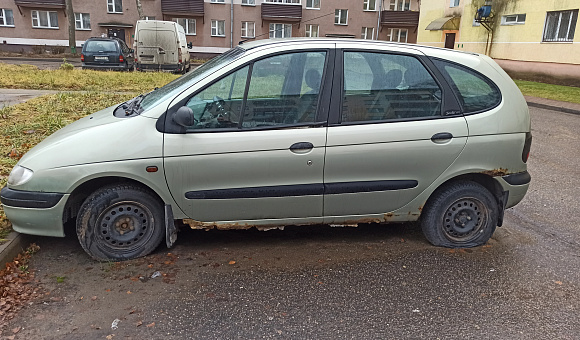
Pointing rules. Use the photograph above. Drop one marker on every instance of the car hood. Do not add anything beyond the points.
(100, 137)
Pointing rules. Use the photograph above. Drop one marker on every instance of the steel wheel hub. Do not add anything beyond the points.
(464, 219)
(125, 225)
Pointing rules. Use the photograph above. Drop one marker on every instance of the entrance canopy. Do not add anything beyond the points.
(445, 23)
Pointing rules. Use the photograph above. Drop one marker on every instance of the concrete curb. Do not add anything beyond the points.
(9, 250)
(553, 107)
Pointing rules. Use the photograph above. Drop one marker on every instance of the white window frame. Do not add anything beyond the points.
(215, 25)
(513, 19)
(4, 16)
(453, 3)
(112, 8)
(186, 21)
(367, 5)
(282, 29)
(573, 13)
(365, 34)
(288, 2)
(400, 5)
(79, 22)
(398, 39)
(218, 1)
(338, 15)
(313, 4)
(311, 28)
(249, 2)
(245, 27)
(35, 15)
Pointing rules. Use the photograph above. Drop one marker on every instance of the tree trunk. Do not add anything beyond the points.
(70, 13)
(139, 9)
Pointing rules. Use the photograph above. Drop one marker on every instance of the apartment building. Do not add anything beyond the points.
(213, 26)
(530, 39)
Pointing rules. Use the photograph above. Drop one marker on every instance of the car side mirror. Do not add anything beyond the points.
(184, 116)
(189, 45)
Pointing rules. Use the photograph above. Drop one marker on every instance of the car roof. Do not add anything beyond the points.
(248, 45)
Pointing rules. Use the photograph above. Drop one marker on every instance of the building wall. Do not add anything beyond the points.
(519, 42)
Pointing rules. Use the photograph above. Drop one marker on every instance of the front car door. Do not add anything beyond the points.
(394, 128)
(254, 153)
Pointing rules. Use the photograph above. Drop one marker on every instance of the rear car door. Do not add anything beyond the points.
(394, 128)
(255, 150)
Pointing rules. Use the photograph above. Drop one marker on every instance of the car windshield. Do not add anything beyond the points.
(181, 83)
(101, 46)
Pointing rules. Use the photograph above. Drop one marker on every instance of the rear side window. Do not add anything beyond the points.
(101, 46)
(476, 92)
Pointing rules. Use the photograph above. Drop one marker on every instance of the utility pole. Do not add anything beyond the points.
(70, 13)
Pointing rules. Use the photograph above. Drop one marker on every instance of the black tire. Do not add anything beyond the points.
(120, 222)
(460, 215)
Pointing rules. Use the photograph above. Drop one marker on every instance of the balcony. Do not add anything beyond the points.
(40, 3)
(399, 19)
(281, 12)
(182, 8)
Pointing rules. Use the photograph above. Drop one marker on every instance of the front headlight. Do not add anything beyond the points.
(19, 175)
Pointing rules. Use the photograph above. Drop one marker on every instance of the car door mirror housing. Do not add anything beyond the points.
(184, 117)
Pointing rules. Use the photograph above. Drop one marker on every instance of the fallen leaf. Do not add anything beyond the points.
(16, 330)
(232, 262)
(109, 337)
(151, 325)
(138, 323)
(129, 292)
(94, 298)
(107, 290)
(29, 132)
(558, 282)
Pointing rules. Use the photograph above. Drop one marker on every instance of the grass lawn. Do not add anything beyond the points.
(549, 91)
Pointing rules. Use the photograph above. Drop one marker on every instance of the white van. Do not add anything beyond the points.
(161, 46)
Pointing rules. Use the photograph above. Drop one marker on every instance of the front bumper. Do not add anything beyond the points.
(34, 213)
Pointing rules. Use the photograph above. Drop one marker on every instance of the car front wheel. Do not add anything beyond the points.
(120, 222)
(461, 215)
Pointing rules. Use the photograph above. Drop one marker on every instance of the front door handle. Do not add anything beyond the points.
(441, 136)
(301, 147)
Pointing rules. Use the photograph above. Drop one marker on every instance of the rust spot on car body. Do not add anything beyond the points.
(496, 172)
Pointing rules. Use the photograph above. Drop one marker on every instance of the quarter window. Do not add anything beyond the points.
(313, 4)
(383, 87)
(82, 21)
(218, 28)
(283, 90)
(341, 17)
(311, 31)
(248, 29)
(280, 30)
(476, 92)
(115, 6)
(370, 5)
(560, 26)
(6, 17)
(44, 19)
(189, 25)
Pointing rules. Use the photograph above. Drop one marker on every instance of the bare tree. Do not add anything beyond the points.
(490, 23)
(70, 13)
(139, 9)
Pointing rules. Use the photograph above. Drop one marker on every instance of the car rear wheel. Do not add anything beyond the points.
(120, 222)
(461, 215)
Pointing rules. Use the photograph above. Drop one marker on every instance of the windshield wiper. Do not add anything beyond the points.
(134, 105)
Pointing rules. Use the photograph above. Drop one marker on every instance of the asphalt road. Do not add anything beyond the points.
(370, 282)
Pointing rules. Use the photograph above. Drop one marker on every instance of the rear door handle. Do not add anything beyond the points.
(301, 147)
(441, 136)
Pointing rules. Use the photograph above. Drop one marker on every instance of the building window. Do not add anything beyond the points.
(249, 2)
(82, 21)
(115, 6)
(44, 19)
(148, 18)
(218, 28)
(370, 5)
(514, 19)
(560, 26)
(284, 1)
(453, 3)
(398, 35)
(280, 30)
(341, 16)
(189, 25)
(400, 5)
(313, 4)
(311, 31)
(368, 33)
(248, 29)
(6, 17)
(218, 1)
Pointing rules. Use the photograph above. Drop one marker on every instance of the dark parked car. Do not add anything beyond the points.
(108, 54)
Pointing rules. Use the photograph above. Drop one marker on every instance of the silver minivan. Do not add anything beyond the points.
(287, 132)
